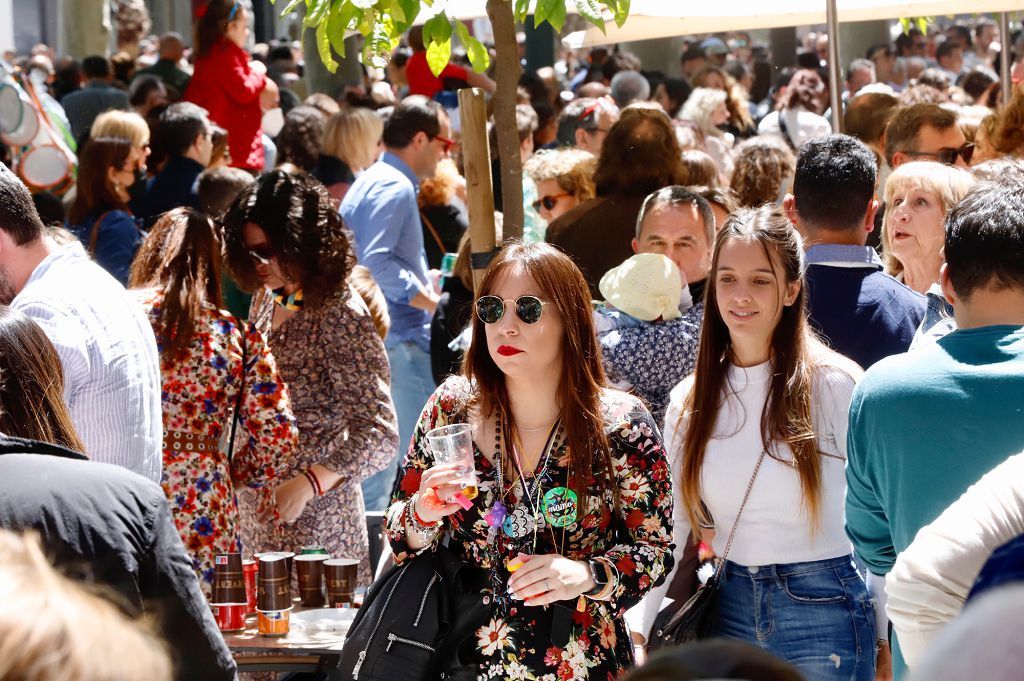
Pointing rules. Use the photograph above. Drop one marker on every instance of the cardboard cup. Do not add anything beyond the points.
(273, 584)
(342, 575)
(228, 580)
(310, 570)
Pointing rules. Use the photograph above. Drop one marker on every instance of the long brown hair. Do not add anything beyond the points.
(786, 417)
(213, 24)
(640, 155)
(579, 391)
(94, 194)
(182, 256)
(32, 402)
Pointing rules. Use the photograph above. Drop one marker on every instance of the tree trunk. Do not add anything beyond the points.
(507, 79)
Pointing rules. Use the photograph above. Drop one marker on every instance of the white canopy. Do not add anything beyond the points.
(666, 18)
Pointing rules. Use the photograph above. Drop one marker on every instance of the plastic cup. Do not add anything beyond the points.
(453, 445)
(249, 569)
(310, 569)
(342, 579)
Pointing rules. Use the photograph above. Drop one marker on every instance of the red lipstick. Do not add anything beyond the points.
(508, 350)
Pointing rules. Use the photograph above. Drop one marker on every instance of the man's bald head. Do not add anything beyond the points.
(172, 47)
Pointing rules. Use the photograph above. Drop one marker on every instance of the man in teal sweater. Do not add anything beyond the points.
(926, 425)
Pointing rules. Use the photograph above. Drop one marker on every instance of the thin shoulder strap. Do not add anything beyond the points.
(736, 523)
(94, 238)
(433, 232)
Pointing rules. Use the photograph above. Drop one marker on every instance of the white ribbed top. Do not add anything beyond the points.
(775, 527)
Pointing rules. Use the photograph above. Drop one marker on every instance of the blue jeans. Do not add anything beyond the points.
(411, 384)
(817, 616)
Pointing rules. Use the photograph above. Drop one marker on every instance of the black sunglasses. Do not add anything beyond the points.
(261, 254)
(948, 156)
(490, 309)
(549, 202)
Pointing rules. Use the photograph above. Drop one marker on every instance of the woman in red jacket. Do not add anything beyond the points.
(227, 84)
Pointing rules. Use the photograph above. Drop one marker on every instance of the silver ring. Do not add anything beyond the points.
(546, 588)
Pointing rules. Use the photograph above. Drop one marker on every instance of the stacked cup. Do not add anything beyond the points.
(273, 596)
(229, 597)
(310, 569)
(342, 576)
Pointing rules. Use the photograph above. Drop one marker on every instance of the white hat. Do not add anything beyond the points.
(647, 286)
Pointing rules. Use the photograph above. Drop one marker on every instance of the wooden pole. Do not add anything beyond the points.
(476, 158)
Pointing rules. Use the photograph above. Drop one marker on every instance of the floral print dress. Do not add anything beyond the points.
(200, 391)
(636, 536)
(337, 372)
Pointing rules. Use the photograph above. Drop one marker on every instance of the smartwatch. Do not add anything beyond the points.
(598, 573)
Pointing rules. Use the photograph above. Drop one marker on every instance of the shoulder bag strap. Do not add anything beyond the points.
(239, 397)
(433, 232)
(736, 523)
(785, 130)
(94, 238)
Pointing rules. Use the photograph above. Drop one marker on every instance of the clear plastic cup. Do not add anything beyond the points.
(453, 445)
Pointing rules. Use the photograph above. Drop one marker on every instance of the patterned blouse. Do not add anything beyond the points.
(337, 373)
(636, 537)
(199, 397)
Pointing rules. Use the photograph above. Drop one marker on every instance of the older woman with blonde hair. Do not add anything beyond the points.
(350, 144)
(708, 109)
(564, 178)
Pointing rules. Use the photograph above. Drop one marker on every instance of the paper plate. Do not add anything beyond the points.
(324, 619)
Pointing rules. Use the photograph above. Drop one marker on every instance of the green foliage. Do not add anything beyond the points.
(920, 23)
(382, 23)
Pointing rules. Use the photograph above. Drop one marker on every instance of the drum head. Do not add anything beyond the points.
(11, 110)
(44, 166)
(27, 128)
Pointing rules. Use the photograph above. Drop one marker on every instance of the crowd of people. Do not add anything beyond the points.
(729, 335)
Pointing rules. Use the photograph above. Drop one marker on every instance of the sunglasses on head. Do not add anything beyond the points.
(261, 254)
(490, 309)
(448, 144)
(549, 202)
(947, 156)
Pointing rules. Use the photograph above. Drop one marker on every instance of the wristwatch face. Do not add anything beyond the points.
(598, 575)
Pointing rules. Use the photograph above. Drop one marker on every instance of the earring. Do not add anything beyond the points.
(117, 186)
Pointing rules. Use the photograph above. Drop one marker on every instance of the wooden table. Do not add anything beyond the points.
(299, 650)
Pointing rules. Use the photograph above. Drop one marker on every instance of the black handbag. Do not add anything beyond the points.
(414, 620)
(692, 620)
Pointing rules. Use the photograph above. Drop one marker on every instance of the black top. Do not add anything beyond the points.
(119, 525)
(174, 187)
(332, 170)
(454, 311)
(449, 225)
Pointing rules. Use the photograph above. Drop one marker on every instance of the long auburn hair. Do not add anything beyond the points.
(94, 194)
(786, 417)
(32, 402)
(579, 391)
(182, 256)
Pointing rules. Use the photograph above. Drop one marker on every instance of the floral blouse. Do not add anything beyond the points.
(337, 373)
(636, 537)
(199, 395)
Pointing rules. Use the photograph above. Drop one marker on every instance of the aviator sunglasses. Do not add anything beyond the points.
(261, 254)
(490, 309)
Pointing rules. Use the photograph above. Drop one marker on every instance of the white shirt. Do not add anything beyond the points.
(930, 581)
(109, 356)
(775, 526)
(802, 125)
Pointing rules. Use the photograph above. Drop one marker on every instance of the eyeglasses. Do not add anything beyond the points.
(448, 144)
(490, 309)
(549, 202)
(947, 155)
(261, 254)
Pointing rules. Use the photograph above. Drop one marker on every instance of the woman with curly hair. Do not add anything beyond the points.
(287, 242)
(762, 168)
(564, 179)
(707, 108)
(298, 142)
(212, 372)
(740, 123)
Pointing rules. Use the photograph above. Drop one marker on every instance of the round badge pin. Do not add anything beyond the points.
(560, 506)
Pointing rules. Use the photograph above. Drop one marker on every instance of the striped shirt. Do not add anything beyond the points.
(109, 356)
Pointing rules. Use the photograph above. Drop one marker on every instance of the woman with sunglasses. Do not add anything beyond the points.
(286, 241)
(213, 372)
(570, 524)
(757, 444)
(564, 179)
(100, 216)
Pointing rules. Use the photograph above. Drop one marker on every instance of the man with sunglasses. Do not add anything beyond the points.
(380, 208)
(926, 132)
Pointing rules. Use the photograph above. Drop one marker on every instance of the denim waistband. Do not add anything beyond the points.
(786, 569)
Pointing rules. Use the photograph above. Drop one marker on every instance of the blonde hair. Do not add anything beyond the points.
(699, 107)
(352, 136)
(52, 627)
(948, 183)
(125, 124)
(573, 169)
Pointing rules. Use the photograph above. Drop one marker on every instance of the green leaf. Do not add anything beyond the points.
(544, 10)
(349, 15)
(462, 32)
(378, 46)
(323, 46)
(367, 22)
(905, 24)
(521, 11)
(437, 29)
(316, 12)
(557, 16)
(364, 4)
(621, 12)
(290, 7)
(411, 9)
(589, 10)
(479, 57)
(438, 55)
(336, 27)
(922, 25)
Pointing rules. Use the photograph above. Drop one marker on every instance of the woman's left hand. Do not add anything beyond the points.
(544, 579)
(292, 496)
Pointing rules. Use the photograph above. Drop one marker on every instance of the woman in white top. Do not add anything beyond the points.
(769, 403)
(799, 119)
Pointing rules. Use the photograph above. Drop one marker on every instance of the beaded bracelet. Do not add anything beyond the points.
(424, 531)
